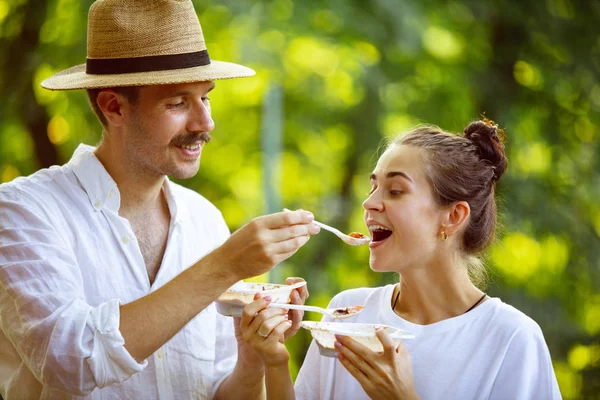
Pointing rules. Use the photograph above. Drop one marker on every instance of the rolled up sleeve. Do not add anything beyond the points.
(65, 342)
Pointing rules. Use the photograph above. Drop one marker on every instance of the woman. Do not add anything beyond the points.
(431, 212)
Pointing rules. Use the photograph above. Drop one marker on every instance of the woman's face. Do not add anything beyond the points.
(402, 216)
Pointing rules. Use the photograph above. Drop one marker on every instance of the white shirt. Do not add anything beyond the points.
(492, 352)
(68, 260)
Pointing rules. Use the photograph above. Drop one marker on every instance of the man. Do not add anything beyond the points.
(108, 271)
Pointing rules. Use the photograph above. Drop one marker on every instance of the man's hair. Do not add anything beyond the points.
(131, 93)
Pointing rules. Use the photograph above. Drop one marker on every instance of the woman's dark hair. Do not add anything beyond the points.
(465, 168)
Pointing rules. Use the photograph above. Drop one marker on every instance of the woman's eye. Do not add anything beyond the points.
(372, 190)
(395, 192)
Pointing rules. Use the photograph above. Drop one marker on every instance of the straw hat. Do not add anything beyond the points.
(143, 42)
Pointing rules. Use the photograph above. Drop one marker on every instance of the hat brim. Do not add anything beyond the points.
(76, 78)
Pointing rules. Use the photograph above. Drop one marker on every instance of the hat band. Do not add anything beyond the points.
(105, 66)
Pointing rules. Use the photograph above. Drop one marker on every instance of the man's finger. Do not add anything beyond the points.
(286, 218)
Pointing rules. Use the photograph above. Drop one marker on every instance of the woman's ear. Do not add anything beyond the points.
(111, 104)
(455, 217)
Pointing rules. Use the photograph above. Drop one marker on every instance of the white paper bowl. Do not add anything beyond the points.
(232, 302)
(324, 334)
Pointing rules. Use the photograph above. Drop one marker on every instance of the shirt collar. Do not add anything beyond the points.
(96, 181)
(171, 196)
(100, 187)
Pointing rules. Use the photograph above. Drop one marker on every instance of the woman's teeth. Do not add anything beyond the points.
(379, 232)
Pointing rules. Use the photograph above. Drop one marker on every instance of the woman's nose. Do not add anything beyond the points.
(373, 202)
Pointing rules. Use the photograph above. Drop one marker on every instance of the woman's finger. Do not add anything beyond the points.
(356, 359)
(354, 370)
(389, 346)
(356, 347)
(302, 290)
(251, 310)
(277, 334)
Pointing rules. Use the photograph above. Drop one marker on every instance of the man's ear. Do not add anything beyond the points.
(455, 217)
(112, 105)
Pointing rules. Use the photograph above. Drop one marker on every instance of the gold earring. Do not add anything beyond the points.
(444, 236)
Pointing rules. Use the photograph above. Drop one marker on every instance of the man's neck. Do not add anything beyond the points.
(138, 190)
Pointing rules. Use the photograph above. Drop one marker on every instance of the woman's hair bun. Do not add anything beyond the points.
(485, 135)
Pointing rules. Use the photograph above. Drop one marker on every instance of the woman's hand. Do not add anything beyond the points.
(386, 375)
(298, 296)
(264, 329)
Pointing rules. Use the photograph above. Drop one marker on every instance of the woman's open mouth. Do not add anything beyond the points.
(379, 234)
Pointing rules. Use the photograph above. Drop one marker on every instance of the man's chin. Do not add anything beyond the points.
(185, 173)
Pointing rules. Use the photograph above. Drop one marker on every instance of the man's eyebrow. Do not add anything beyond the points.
(187, 92)
(392, 175)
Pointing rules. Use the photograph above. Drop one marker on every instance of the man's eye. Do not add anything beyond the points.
(206, 98)
(176, 105)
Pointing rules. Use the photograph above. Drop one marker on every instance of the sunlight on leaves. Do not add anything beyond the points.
(518, 257)
(528, 75)
(309, 54)
(442, 43)
(396, 124)
(569, 381)
(9, 172)
(272, 40)
(581, 356)
(326, 21)
(592, 315)
(534, 158)
(339, 88)
(58, 130)
(4, 10)
(561, 8)
(281, 10)
(15, 143)
(367, 53)
(43, 96)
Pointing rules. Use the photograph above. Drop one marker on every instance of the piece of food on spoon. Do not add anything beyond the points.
(348, 310)
(356, 235)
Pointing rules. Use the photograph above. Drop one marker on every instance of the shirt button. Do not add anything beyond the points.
(160, 353)
(98, 204)
(125, 239)
(110, 193)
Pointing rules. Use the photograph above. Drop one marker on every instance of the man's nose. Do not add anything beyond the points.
(200, 119)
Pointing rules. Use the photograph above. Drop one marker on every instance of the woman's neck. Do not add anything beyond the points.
(430, 295)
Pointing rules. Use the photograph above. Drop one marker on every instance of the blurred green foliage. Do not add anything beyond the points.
(352, 73)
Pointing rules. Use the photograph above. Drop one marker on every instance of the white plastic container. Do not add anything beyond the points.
(232, 302)
(324, 335)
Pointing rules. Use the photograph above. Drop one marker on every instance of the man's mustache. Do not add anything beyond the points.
(191, 139)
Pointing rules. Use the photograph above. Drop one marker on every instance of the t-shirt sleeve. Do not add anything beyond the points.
(526, 372)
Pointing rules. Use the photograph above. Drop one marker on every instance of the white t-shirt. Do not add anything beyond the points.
(492, 352)
(68, 260)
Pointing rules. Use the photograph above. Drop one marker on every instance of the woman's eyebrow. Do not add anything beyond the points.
(393, 174)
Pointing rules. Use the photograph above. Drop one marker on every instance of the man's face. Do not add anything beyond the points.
(168, 128)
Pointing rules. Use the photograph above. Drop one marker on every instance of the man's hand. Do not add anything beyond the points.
(264, 242)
